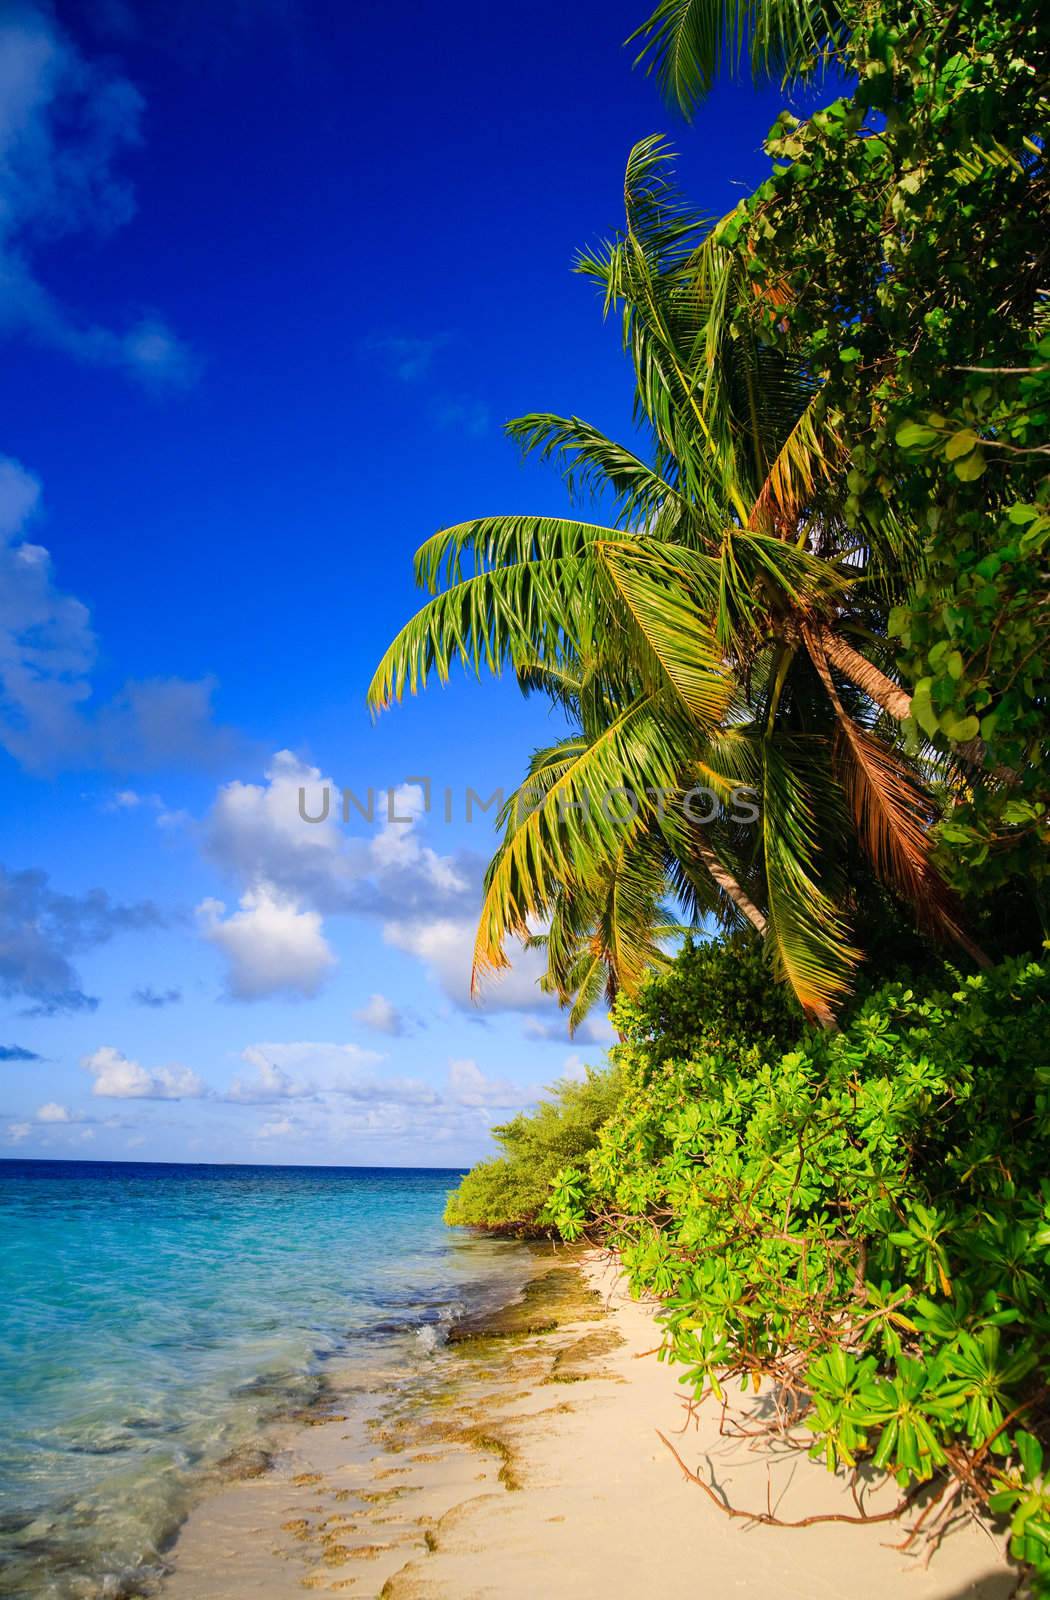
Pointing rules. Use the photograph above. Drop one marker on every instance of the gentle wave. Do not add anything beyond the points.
(155, 1320)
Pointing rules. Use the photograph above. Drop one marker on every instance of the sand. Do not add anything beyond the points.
(525, 1462)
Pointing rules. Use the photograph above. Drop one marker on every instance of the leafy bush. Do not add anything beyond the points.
(864, 1218)
(510, 1194)
(718, 988)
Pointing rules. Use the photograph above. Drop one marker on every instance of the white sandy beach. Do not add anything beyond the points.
(533, 1468)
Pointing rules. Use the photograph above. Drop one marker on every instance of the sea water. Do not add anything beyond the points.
(155, 1318)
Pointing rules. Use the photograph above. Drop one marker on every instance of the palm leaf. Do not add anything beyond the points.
(498, 542)
(578, 825)
(532, 611)
(677, 632)
(688, 43)
(892, 814)
(592, 464)
(807, 932)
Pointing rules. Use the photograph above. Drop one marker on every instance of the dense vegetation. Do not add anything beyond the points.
(862, 1216)
(511, 1194)
(817, 592)
(820, 591)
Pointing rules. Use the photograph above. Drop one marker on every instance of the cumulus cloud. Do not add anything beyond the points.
(420, 1120)
(293, 872)
(117, 1077)
(65, 124)
(41, 929)
(130, 800)
(48, 720)
(277, 1128)
(256, 833)
(381, 1015)
(52, 1112)
(445, 945)
(17, 1132)
(271, 946)
(306, 1069)
(468, 1085)
(269, 1084)
(427, 901)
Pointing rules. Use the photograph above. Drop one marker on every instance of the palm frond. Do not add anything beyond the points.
(597, 803)
(500, 541)
(677, 632)
(529, 612)
(689, 43)
(591, 464)
(807, 931)
(893, 815)
(811, 454)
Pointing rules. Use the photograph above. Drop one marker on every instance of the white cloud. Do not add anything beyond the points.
(18, 1131)
(294, 871)
(271, 1082)
(52, 1112)
(279, 1128)
(117, 1077)
(64, 124)
(270, 945)
(256, 832)
(595, 1029)
(445, 945)
(469, 1086)
(315, 1069)
(381, 1015)
(47, 653)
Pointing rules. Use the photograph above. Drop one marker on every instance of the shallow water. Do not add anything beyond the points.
(154, 1318)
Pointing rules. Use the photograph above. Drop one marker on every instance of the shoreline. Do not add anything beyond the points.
(524, 1458)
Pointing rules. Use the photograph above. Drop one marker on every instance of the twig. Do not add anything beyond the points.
(771, 1521)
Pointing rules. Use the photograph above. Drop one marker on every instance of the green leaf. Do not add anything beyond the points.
(916, 436)
(960, 444)
(971, 466)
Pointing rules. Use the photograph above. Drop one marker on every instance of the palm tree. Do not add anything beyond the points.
(687, 43)
(725, 630)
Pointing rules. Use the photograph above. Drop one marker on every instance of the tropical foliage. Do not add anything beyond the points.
(904, 227)
(864, 1219)
(820, 592)
(800, 527)
(687, 43)
(724, 632)
(860, 1217)
(511, 1193)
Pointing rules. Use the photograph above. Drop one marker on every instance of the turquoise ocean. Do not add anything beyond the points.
(154, 1320)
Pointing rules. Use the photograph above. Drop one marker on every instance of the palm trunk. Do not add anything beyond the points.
(894, 700)
(728, 884)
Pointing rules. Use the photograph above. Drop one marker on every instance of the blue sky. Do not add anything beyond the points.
(272, 277)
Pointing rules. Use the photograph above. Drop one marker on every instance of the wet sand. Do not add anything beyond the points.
(523, 1462)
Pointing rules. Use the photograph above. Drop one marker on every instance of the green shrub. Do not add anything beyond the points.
(510, 1193)
(719, 988)
(864, 1218)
